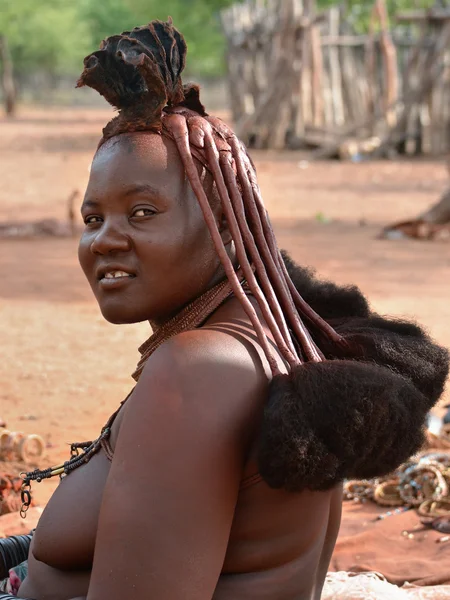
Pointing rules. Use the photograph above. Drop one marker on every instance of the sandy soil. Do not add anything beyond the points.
(63, 370)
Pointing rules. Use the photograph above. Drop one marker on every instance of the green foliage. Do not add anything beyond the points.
(55, 35)
(105, 17)
(199, 22)
(51, 37)
(359, 11)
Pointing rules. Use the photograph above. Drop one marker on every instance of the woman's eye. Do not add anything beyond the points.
(143, 212)
(91, 220)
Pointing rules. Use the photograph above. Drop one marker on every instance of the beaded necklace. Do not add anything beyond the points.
(191, 317)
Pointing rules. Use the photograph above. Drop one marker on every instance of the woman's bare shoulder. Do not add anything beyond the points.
(205, 380)
(207, 365)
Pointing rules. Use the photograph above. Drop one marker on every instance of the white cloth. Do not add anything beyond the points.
(373, 586)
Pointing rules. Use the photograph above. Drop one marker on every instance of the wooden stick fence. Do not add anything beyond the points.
(302, 79)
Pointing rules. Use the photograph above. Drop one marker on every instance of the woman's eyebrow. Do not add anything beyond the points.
(139, 188)
(89, 204)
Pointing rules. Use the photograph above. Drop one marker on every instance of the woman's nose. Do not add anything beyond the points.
(109, 239)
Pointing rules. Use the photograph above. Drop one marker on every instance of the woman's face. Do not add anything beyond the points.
(145, 249)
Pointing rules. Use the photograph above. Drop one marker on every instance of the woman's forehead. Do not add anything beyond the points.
(142, 156)
(143, 147)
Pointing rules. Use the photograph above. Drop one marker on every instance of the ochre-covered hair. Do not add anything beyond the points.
(343, 410)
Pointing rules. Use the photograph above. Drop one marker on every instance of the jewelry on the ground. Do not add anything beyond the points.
(422, 483)
(387, 493)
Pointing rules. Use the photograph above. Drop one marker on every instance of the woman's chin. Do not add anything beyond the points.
(119, 316)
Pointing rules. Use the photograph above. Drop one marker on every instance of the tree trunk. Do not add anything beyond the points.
(9, 91)
(434, 224)
(439, 213)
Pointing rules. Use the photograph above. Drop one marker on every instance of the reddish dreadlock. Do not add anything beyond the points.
(326, 419)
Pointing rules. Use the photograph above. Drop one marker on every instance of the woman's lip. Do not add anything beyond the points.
(110, 269)
(112, 283)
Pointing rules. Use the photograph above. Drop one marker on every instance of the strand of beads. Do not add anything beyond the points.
(422, 483)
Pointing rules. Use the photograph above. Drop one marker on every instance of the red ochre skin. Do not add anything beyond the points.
(167, 518)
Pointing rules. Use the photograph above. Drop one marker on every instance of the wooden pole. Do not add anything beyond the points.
(370, 70)
(419, 15)
(335, 68)
(316, 69)
(9, 90)
(390, 61)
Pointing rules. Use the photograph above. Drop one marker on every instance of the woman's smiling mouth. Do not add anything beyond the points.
(111, 277)
(116, 275)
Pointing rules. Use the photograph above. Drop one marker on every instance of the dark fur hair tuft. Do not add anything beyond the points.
(402, 346)
(326, 298)
(362, 412)
(325, 422)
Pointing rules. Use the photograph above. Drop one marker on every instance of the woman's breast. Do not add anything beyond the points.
(65, 538)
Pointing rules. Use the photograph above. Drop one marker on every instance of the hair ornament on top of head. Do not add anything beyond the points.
(139, 73)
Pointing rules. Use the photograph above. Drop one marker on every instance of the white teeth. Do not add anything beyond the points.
(116, 274)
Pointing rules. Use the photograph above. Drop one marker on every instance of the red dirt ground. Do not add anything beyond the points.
(63, 369)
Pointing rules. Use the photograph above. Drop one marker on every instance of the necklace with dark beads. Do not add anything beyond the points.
(191, 317)
(88, 449)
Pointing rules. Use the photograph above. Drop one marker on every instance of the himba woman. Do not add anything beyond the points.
(259, 392)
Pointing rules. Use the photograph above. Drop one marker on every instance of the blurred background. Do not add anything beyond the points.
(47, 42)
(345, 107)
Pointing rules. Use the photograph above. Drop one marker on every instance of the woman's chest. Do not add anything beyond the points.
(65, 538)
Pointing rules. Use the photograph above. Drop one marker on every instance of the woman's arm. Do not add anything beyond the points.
(169, 501)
